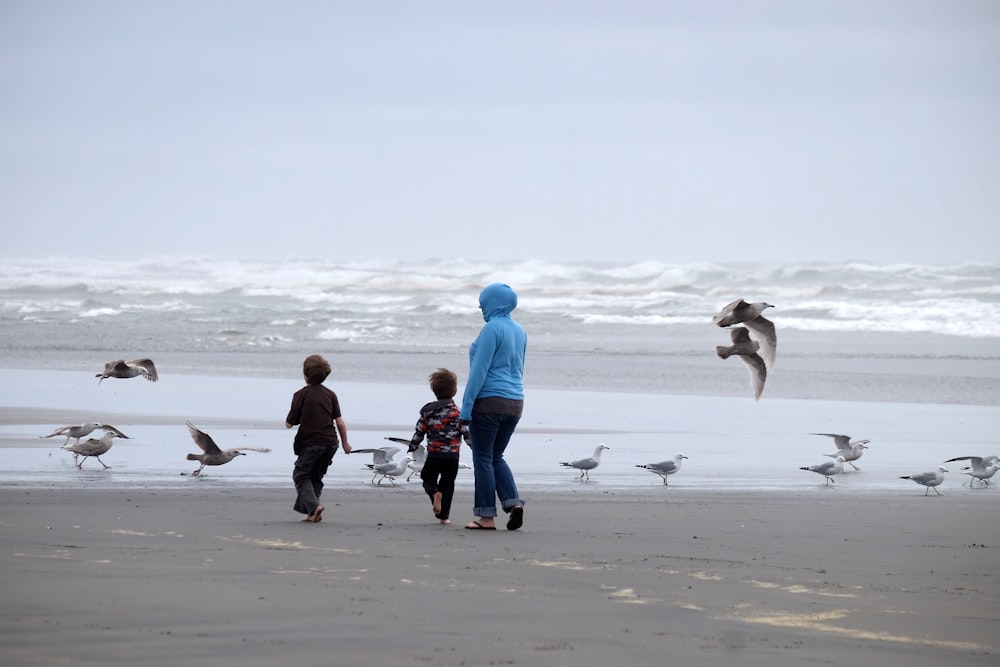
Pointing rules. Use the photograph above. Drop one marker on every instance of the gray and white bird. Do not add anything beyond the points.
(851, 451)
(380, 455)
(981, 468)
(390, 470)
(586, 465)
(828, 468)
(94, 447)
(212, 455)
(746, 349)
(929, 479)
(665, 468)
(120, 368)
(749, 315)
(80, 430)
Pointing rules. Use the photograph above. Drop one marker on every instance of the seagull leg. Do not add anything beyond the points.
(935, 490)
(854, 466)
(106, 466)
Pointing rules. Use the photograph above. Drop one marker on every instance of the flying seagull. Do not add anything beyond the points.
(129, 369)
(929, 479)
(213, 456)
(586, 465)
(81, 430)
(94, 447)
(746, 349)
(851, 451)
(828, 468)
(981, 468)
(749, 315)
(665, 468)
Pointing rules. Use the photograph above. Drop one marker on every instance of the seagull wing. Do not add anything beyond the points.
(764, 329)
(116, 366)
(976, 461)
(758, 372)
(147, 368)
(203, 440)
(842, 441)
(108, 428)
(729, 313)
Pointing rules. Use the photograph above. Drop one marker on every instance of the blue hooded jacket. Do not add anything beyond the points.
(496, 357)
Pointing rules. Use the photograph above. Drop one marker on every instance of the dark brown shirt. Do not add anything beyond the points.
(314, 409)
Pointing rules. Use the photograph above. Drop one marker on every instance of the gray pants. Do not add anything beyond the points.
(310, 467)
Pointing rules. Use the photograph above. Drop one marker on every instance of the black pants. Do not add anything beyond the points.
(439, 474)
(310, 467)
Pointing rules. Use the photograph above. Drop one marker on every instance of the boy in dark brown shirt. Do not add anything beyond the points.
(316, 411)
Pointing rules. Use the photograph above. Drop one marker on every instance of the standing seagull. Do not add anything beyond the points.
(665, 468)
(390, 469)
(851, 451)
(749, 314)
(828, 469)
(586, 465)
(929, 479)
(746, 349)
(213, 456)
(380, 455)
(95, 447)
(129, 369)
(981, 468)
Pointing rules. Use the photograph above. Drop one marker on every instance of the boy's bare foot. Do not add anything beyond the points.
(316, 516)
(445, 522)
(437, 502)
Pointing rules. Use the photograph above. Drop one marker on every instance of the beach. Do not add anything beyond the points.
(742, 559)
(214, 576)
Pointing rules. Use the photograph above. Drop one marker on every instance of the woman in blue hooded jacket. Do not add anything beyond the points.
(492, 404)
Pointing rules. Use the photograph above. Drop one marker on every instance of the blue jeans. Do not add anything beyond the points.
(490, 434)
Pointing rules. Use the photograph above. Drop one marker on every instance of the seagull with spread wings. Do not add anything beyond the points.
(119, 368)
(212, 455)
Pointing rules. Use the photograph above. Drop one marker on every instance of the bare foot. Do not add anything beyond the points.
(437, 502)
(445, 522)
(316, 516)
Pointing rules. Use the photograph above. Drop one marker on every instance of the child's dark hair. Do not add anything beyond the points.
(315, 369)
(444, 383)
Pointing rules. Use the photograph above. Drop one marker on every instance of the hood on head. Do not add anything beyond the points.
(496, 300)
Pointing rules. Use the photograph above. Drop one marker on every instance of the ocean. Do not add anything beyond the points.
(849, 331)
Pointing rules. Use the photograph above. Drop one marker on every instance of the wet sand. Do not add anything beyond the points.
(229, 576)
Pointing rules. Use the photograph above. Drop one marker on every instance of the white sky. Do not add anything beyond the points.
(623, 131)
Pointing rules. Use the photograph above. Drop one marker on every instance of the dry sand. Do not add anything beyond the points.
(213, 576)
